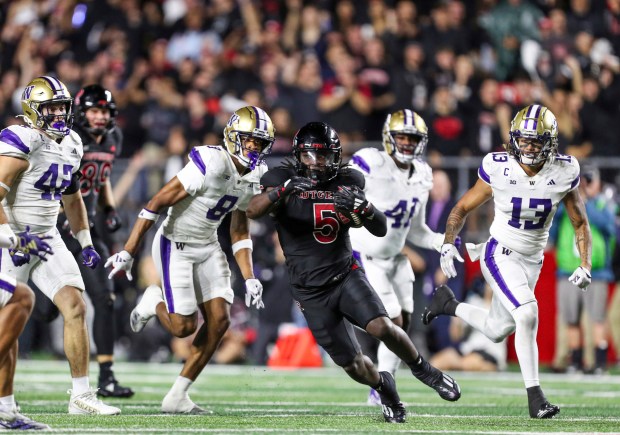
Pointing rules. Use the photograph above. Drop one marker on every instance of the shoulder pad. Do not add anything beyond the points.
(275, 177)
(491, 163)
(17, 140)
(368, 158)
(210, 156)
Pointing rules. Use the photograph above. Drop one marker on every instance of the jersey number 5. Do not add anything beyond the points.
(48, 182)
(326, 226)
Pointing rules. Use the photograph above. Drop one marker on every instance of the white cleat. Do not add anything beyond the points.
(175, 404)
(8, 413)
(373, 398)
(145, 309)
(88, 404)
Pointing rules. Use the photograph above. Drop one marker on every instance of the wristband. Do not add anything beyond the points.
(5, 187)
(83, 236)
(147, 214)
(7, 236)
(242, 244)
(274, 194)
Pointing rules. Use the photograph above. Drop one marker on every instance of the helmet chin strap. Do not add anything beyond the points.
(253, 158)
(406, 159)
(250, 162)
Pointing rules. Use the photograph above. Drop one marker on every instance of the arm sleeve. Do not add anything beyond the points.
(74, 186)
(273, 178)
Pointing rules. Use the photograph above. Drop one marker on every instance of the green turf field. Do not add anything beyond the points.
(257, 400)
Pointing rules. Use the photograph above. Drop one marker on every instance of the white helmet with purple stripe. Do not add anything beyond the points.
(249, 121)
(41, 93)
(536, 123)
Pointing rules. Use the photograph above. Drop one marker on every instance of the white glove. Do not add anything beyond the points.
(581, 278)
(121, 261)
(448, 254)
(254, 293)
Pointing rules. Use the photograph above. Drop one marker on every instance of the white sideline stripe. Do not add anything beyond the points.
(282, 430)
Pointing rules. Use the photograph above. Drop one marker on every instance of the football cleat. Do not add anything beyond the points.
(442, 297)
(111, 388)
(394, 413)
(21, 422)
(393, 409)
(145, 310)
(373, 398)
(8, 412)
(175, 404)
(546, 410)
(88, 404)
(445, 385)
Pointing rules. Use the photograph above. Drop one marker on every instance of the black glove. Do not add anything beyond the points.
(353, 200)
(292, 185)
(112, 220)
(19, 258)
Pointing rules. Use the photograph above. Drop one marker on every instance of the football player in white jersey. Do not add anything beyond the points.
(39, 165)
(526, 183)
(191, 264)
(16, 302)
(398, 182)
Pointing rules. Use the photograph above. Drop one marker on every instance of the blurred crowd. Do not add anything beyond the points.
(178, 68)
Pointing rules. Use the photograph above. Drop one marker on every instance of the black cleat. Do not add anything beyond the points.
(442, 302)
(546, 410)
(394, 413)
(393, 409)
(444, 384)
(111, 388)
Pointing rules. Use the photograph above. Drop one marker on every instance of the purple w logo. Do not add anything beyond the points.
(27, 92)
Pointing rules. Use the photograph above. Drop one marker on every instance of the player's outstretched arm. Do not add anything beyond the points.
(576, 210)
(260, 205)
(477, 195)
(377, 224)
(480, 193)
(167, 196)
(75, 210)
(242, 250)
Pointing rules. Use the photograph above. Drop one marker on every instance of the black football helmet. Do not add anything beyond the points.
(317, 152)
(94, 96)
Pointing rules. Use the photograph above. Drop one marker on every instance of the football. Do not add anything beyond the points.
(349, 218)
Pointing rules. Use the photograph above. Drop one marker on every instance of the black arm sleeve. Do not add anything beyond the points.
(75, 184)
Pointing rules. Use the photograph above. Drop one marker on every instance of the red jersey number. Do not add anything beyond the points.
(326, 226)
(94, 175)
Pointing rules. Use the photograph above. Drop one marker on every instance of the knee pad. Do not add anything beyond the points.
(526, 316)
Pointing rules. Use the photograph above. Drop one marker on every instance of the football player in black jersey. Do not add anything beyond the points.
(313, 201)
(95, 113)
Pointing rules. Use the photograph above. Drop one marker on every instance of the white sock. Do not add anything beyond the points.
(181, 385)
(525, 344)
(7, 401)
(387, 361)
(80, 385)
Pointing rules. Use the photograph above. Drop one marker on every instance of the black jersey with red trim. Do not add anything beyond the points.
(97, 164)
(315, 243)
